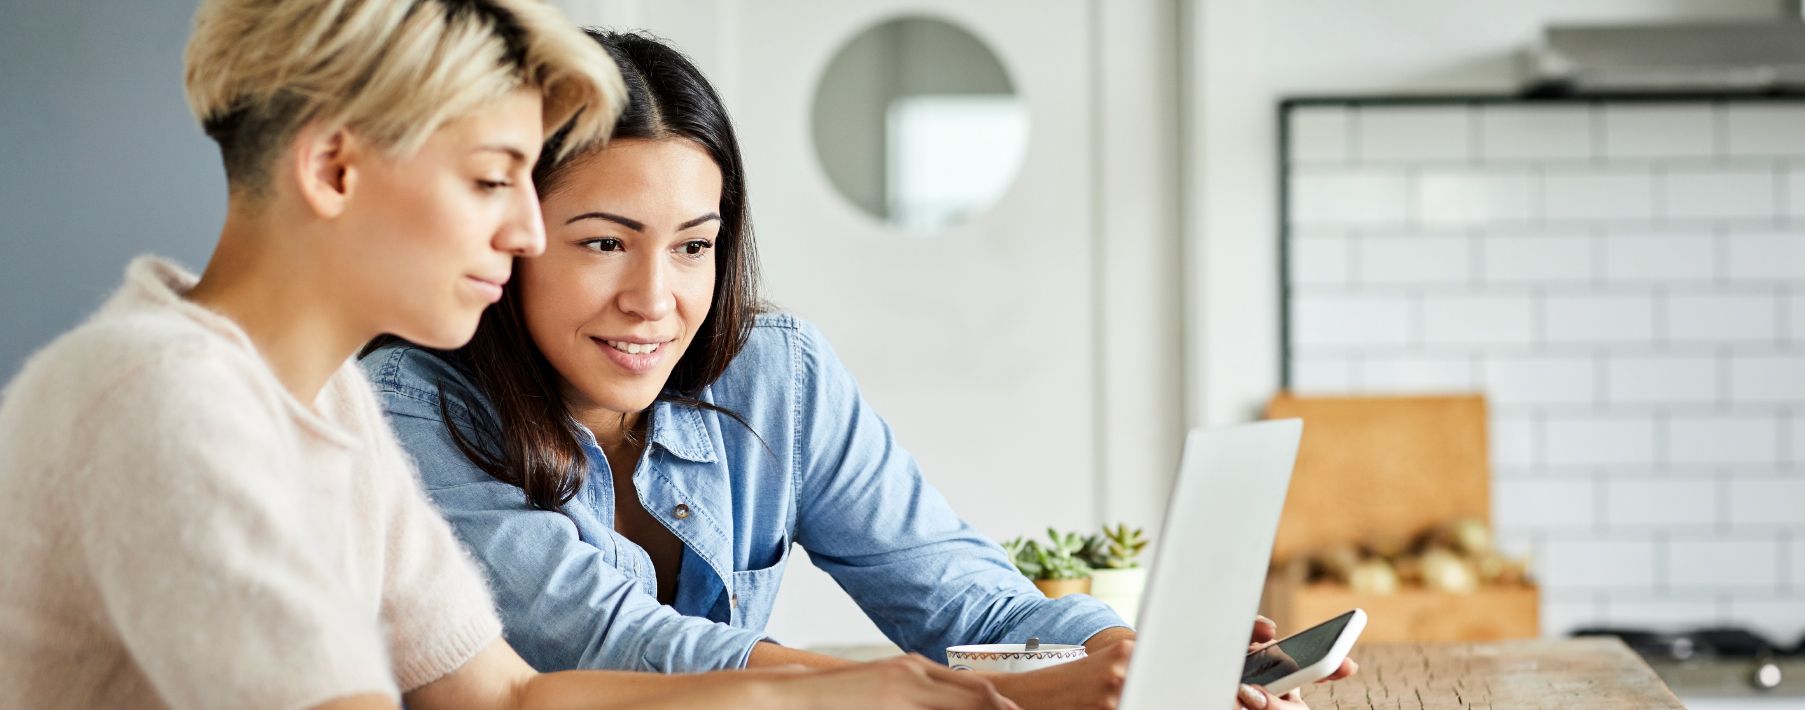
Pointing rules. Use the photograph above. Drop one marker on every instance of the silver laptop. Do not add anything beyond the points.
(1204, 587)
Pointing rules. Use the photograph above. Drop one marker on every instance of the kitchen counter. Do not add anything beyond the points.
(1592, 673)
(1551, 673)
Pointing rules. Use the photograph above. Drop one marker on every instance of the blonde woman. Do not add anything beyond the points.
(200, 502)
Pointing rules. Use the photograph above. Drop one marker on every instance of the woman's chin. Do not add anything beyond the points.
(449, 334)
(618, 400)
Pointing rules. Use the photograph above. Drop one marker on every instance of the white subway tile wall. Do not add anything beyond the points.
(1765, 131)
(1797, 565)
(1719, 193)
(1589, 193)
(1785, 616)
(1626, 282)
(1670, 612)
(1532, 132)
(1765, 256)
(1687, 130)
(1661, 502)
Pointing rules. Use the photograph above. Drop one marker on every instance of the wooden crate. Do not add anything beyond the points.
(1390, 467)
(1413, 614)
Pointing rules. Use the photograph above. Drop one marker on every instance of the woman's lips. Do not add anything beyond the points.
(490, 290)
(635, 363)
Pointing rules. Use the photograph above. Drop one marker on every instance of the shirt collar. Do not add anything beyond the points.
(679, 429)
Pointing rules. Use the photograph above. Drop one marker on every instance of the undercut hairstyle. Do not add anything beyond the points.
(390, 71)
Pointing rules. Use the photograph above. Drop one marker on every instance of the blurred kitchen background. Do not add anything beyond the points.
(1110, 220)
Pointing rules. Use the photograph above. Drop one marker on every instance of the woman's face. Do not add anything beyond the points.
(433, 235)
(628, 271)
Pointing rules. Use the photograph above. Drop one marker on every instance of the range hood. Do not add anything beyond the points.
(1739, 57)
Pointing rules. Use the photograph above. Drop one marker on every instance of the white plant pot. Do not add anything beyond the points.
(1120, 589)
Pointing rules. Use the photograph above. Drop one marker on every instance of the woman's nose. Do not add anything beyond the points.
(523, 233)
(645, 291)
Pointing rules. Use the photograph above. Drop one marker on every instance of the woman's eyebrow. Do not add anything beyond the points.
(698, 221)
(632, 224)
(518, 155)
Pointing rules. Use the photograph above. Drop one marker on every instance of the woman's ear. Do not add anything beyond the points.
(325, 167)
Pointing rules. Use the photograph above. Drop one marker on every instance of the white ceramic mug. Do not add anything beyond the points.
(1010, 657)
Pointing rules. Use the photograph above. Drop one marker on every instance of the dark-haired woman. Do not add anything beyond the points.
(631, 448)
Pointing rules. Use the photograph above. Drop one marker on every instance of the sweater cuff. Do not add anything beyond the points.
(433, 661)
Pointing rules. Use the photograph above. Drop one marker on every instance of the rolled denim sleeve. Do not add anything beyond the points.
(562, 605)
(868, 518)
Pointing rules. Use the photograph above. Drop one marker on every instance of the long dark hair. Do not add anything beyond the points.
(532, 442)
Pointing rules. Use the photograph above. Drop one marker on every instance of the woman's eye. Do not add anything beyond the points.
(600, 244)
(695, 247)
(492, 185)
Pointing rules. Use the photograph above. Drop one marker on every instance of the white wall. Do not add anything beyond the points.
(1626, 282)
(1245, 55)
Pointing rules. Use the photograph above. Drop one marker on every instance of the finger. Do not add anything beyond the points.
(1348, 668)
(931, 685)
(1253, 697)
(1286, 704)
(973, 682)
(1118, 668)
(934, 692)
(976, 686)
(1264, 629)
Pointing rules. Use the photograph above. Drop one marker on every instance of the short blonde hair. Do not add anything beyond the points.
(393, 71)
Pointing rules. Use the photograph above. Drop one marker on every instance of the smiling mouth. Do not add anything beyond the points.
(629, 347)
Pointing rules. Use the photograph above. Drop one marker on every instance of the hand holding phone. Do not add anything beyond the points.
(1304, 657)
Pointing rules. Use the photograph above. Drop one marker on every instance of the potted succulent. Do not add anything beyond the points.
(1055, 567)
(1117, 577)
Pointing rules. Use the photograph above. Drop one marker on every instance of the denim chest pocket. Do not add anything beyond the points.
(755, 591)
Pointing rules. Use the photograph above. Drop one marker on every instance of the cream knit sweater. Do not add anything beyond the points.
(176, 530)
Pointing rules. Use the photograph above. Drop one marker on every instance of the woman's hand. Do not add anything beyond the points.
(1253, 697)
(1094, 681)
(1264, 631)
(902, 683)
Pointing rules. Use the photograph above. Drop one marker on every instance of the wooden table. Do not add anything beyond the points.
(1554, 673)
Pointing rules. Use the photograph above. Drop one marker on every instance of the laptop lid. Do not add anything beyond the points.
(1204, 587)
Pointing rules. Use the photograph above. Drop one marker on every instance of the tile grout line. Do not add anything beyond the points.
(1662, 585)
(1784, 571)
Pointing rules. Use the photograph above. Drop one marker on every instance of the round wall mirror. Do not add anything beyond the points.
(916, 122)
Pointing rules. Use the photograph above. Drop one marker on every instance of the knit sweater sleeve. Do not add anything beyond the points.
(436, 605)
(205, 545)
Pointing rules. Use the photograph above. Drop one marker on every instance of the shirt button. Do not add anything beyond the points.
(681, 511)
(734, 601)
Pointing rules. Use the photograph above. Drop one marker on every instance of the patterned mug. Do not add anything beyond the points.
(1010, 657)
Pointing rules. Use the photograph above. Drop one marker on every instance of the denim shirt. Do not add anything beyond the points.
(822, 471)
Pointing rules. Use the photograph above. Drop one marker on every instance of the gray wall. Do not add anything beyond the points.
(99, 160)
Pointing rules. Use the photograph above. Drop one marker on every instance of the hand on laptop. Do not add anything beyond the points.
(1253, 697)
(1096, 680)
